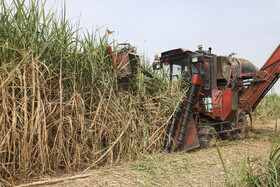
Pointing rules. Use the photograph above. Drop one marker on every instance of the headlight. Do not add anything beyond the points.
(156, 66)
(194, 59)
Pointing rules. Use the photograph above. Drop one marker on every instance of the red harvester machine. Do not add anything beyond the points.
(223, 90)
(127, 62)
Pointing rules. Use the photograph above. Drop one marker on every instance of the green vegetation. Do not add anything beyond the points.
(268, 109)
(61, 107)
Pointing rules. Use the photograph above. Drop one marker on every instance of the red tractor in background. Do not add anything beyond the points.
(127, 62)
(222, 91)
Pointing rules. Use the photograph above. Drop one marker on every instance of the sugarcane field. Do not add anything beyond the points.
(139, 93)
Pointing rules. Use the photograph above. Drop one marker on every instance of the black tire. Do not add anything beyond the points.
(207, 135)
(242, 126)
(229, 135)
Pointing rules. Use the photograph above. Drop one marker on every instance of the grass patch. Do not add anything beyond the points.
(255, 172)
(263, 174)
(268, 109)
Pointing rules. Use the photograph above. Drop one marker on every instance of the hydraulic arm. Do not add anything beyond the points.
(262, 82)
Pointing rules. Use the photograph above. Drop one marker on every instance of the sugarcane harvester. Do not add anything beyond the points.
(223, 91)
(126, 61)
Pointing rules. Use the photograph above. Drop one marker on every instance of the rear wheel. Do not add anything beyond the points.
(207, 135)
(242, 126)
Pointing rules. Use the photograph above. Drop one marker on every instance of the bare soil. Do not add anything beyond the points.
(198, 168)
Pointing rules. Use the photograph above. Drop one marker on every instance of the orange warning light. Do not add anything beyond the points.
(207, 64)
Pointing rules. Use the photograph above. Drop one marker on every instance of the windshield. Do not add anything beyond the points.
(180, 67)
(175, 69)
(166, 68)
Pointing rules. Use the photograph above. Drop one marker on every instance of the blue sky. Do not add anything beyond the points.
(250, 28)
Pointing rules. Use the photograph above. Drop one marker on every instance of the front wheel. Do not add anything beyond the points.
(207, 135)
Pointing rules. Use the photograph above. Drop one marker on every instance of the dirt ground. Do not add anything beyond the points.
(198, 168)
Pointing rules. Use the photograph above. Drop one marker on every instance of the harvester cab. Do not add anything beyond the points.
(222, 91)
(127, 62)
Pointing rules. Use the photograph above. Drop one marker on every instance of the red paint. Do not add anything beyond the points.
(196, 79)
(222, 105)
(113, 60)
(228, 112)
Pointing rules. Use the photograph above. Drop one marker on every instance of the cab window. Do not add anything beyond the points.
(177, 71)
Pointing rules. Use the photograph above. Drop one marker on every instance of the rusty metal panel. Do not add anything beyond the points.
(217, 99)
(214, 72)
(227, 103)
(223, 68)
(234, 100)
